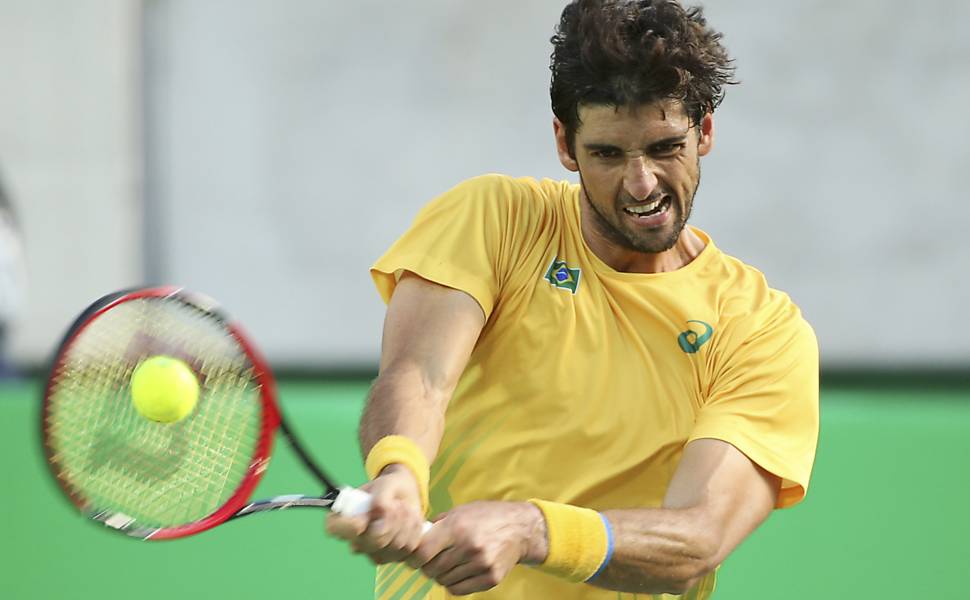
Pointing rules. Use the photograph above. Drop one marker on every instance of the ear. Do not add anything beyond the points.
(706, 141)
(562, 148)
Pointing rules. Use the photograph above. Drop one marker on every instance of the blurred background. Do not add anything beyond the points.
(267, 153)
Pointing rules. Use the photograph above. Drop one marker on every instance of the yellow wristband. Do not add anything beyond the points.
(401, 450)
(580, 541)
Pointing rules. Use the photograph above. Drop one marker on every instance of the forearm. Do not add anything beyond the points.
(403, 402)
(715, 499)
(661, 550)
(429, 334)
(664, 550)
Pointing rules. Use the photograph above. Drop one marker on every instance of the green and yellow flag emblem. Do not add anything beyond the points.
(561, 276)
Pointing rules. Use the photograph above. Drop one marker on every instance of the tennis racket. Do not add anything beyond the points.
(159, 481)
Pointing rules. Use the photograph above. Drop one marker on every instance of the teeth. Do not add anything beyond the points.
(644, 208)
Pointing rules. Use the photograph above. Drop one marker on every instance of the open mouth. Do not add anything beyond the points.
(644, 211)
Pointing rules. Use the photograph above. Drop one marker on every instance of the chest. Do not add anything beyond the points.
(581, 349)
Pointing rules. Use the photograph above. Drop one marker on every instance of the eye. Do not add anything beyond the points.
(667, 149)
(605, 153)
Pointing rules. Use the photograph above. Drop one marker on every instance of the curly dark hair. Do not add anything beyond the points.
(633, 52)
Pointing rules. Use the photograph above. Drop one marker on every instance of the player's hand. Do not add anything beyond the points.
(473, 547)
(392, 529)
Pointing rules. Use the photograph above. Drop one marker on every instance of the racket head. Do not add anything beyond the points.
(157, 480)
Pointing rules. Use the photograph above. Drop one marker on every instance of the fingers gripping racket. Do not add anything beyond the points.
(155, 480)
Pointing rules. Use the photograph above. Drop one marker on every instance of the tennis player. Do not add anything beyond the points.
(583, 392)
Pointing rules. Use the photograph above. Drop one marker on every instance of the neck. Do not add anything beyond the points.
(687, 247)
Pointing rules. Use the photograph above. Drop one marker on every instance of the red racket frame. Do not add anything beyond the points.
(271, 417)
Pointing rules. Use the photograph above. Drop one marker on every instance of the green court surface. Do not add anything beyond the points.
(886, 515)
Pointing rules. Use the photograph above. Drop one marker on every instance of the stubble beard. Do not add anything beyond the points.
(650, 244)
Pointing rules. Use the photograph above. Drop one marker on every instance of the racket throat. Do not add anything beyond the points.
(286, 502)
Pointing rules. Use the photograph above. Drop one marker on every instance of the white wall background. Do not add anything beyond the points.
(289, 148)
(289, 143)
(70, 155)
(842, 170)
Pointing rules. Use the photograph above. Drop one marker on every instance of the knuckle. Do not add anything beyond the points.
(420, 556)
(432, 568)
(369, 545)
(377, 539)
(386, 555)
(381, 502)
(458, 528)
(481, 565)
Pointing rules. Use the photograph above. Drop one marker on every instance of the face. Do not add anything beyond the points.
(639, 168)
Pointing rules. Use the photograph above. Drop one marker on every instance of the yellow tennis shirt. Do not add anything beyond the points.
(586, 382)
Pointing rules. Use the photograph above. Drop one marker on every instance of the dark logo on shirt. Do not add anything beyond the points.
(561, 276)
(691, 341)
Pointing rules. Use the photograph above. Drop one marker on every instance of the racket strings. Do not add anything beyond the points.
(114, 459)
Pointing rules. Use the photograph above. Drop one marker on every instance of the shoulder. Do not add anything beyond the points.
(522, 207)
(503, 191)
(750, 309)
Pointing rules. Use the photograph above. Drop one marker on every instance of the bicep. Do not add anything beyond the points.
(731, 493)
(430, 330)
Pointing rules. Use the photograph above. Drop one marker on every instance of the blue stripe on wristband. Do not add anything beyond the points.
(609, 547)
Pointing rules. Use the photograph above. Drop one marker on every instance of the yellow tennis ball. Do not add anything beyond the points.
(164, 389)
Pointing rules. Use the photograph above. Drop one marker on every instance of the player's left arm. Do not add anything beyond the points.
(716, 498)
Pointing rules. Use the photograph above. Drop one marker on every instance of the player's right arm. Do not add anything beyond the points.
(429, 333)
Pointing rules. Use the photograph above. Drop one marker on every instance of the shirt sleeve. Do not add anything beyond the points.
(459, 240)
(764, 401)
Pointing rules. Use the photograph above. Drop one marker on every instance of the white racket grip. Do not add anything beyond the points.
(352, 502)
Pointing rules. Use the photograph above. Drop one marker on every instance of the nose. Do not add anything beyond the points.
(639, 180)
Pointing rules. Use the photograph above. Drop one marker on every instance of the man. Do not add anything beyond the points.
(609, 404)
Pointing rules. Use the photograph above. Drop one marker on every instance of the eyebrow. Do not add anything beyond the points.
(594, 147)
(673, 139)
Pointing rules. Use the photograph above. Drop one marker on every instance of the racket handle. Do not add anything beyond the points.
(351, 502)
